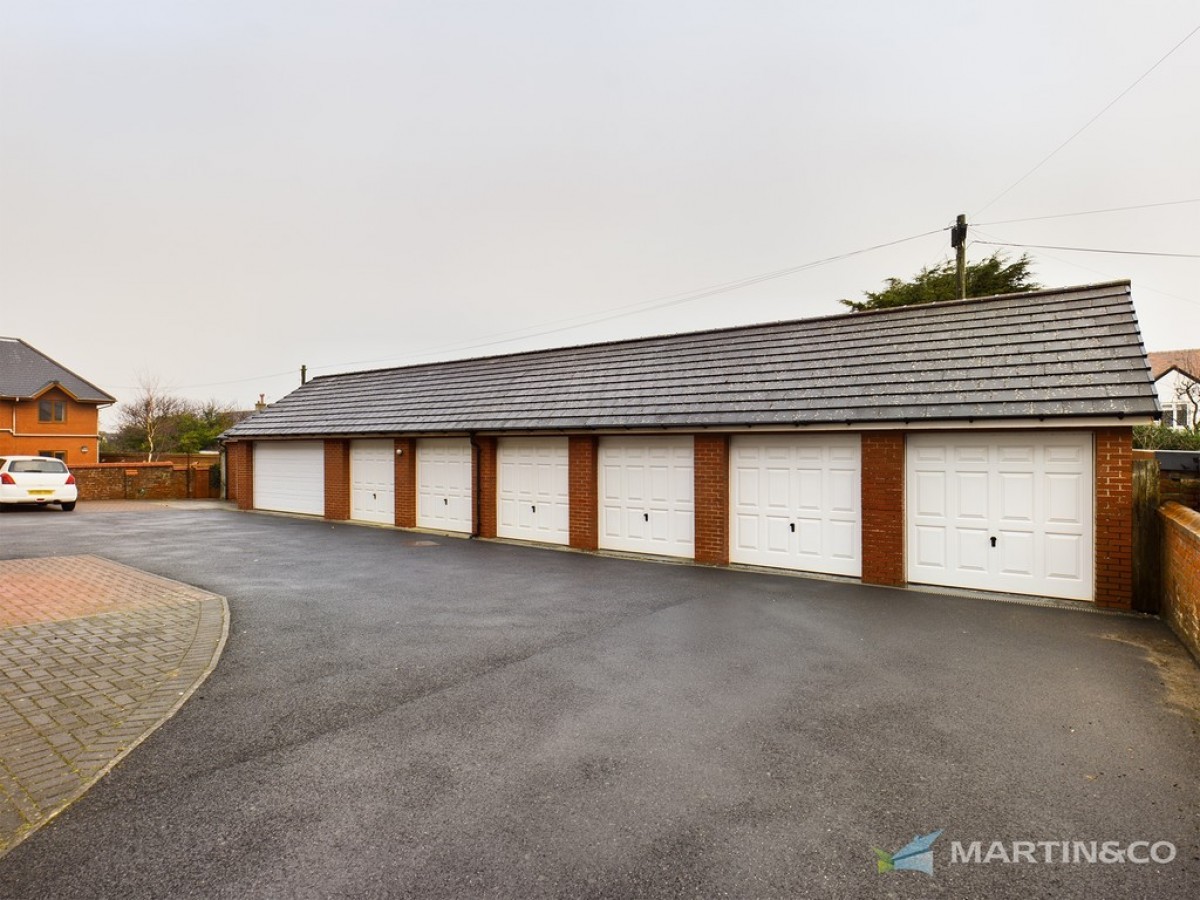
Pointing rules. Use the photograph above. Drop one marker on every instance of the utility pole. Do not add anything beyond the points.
(958, 240)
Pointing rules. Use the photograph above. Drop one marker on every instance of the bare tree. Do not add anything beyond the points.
(150, 414)
(1187, 386)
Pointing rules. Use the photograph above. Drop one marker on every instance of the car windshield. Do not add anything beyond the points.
(36, 465)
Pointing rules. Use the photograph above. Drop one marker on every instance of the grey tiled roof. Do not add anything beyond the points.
(1062, 353)
(24, 372)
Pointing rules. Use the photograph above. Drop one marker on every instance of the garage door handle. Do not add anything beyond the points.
(445, 501)
(646, 516)
(534, 507)
(792, 525)
(993, 540)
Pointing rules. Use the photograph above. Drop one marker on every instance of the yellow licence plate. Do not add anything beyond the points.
(39, 493)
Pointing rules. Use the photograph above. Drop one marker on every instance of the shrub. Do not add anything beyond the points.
(1159, 437)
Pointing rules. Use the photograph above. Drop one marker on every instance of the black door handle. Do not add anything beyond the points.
(993, 540)
(534, 507)
(646, 516)
(792, 525)
(446, 501)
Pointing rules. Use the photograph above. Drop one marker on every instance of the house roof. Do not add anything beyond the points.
(26, 372)
(1060, 353)
(1163, 361)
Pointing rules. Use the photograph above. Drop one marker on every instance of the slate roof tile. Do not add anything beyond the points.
(1059, 353)
(25, 372)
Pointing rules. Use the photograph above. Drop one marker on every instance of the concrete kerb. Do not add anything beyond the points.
(166, 698)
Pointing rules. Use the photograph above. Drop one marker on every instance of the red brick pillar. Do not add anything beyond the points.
(484, 473)
(239, 459)
(883, 507)
(583, 491)
(337, 480)
(711, 467)
(1114, 517)
(230, 475)
(406, 482)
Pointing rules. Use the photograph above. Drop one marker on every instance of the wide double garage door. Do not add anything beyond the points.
(1001, 512)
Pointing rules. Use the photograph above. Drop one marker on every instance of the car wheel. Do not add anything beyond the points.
(67, 507)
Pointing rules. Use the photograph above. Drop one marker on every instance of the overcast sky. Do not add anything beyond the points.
(213, 193)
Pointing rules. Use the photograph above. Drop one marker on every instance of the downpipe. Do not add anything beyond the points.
(476, 493)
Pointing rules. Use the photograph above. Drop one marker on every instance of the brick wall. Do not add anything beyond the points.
(125, 481)
(1181, 487)
(406, 482)
(711, 467)
(1181, 573)
(583, 451)
(883, 508)
(141, 481)
(1114, 517)
(179, 459)
(337, 480)
(483, 473)
(239, 472)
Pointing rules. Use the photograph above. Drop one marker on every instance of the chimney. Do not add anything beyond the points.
(261, 404)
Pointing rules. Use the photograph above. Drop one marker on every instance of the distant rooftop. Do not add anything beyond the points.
(1163, 361)
(1071, 352)
(26, 372)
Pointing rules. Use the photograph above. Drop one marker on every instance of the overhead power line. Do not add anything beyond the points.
(1089, 212)
(594, 318)
(645, 305)
(1091, 250)
(1090, 121)
(1142, 286)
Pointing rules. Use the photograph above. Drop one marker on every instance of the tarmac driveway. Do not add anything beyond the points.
(468, 719)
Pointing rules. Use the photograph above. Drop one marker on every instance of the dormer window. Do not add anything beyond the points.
(52, 411)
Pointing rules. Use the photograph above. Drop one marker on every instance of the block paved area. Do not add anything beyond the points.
(94, 656)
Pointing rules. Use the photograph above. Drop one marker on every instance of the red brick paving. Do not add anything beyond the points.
(94, 656)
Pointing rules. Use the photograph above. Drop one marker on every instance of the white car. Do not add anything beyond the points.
(37, 479)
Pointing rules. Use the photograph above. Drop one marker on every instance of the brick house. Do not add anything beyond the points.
(982, 444)
(45, 408)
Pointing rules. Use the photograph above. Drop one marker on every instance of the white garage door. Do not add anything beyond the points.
(532, 490)
(444, 484)
(795, 502)
(646, 495)
(373, 481)
(1002, 512)
(289, 476)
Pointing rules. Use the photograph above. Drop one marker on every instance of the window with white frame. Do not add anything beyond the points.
(1177, 415)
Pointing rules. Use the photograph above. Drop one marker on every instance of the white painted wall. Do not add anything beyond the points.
(1167, 386)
